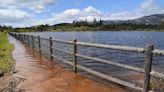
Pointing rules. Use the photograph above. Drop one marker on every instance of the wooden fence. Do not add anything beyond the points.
(148, 50)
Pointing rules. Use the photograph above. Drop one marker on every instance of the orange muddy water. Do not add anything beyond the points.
(40, 76)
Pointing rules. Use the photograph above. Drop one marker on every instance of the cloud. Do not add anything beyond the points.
(12, 13)
(149, 5)
(91, 11)
(38, 8)
(35, 5)
(69, 15)
(88, 13)
(71, 12)
(12, 16)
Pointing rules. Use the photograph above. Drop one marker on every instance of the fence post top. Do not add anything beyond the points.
(150, 46)
(51, 38)
(74, 40)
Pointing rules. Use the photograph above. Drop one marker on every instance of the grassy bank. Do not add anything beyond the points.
(5, 53)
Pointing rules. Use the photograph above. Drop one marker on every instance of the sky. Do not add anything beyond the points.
(25, 13)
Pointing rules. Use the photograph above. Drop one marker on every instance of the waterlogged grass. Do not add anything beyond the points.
(5, 53)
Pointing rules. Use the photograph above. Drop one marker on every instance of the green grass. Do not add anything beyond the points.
(5, 53)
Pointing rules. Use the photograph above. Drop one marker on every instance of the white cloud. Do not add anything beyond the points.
(9, 16)
(71, 12)
(88, 13)
(35, 5)
(38, 8)
(91, 11)
(149, 5)
(12, 13)
(69, 15)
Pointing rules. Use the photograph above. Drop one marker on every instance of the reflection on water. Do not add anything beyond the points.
(40, 76)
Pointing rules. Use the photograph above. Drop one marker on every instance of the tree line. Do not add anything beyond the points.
(95, 25)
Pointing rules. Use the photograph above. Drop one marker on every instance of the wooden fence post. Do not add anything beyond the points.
(29, 40)
(51, 50)
(25, 38)
(39, 46)
(21, 37)
(18, 37)
(74, 56)
(33, 44)
(15, 35)
(32, 41)
(148, 65)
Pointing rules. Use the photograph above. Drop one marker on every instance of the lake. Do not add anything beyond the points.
(125, 38)
(134, 38)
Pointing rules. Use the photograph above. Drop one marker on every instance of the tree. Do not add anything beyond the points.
(94, 21)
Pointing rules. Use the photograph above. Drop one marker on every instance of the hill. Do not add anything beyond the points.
(151, 22)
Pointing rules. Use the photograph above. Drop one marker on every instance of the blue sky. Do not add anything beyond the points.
(103, 5)
(22, 13)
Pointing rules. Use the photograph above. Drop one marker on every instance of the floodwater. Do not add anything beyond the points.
(127, 38)
(123, 38)
(43, 75)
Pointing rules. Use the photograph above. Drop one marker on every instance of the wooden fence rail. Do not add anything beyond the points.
(148, 50)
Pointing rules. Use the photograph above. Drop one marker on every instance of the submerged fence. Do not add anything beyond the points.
(147, 70)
